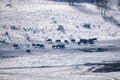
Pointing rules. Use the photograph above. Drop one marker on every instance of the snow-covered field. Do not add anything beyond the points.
(25, 23)
(40, 21)
(56, 64)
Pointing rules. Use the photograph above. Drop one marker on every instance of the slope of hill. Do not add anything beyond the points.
(39, 20)
(23, 22)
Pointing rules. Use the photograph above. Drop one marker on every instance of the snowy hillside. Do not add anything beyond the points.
(27, 23)
(39, 20)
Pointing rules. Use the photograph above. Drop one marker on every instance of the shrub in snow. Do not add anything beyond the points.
(24, 29)
(77, 26)
(14, 27)
(43, 31)
(86, 25)
(55, 22)
(118, 4)
(28, 45)
(6, 33)
(9, 5)
(99, 26)
(60, 28)
(111, 20)
(4, 27)
(28, 38)
(3, 41)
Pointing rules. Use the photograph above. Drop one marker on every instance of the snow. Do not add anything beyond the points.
(49, 15)
(57, 64)
(38, 20)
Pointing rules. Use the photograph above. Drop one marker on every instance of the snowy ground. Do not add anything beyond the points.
(57, 64)
(39, 21)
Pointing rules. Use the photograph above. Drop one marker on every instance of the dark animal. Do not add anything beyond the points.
(73, 40)
(83, 41)
(58, 41)
(93, 39)
(3, 41)
(87, 26)
(49, 41)
(28, 51)
(58, 46)
(16, 46)
(6, 33)
(66, 41)
(87, 41)
(34, 45)
(40, 46)
(79, 43)
(91, 42)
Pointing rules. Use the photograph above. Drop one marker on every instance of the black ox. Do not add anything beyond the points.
(87, 41)
(38, 46)
(16, 46)
(58, 46)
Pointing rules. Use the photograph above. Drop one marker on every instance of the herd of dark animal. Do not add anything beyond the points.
(58, 44)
